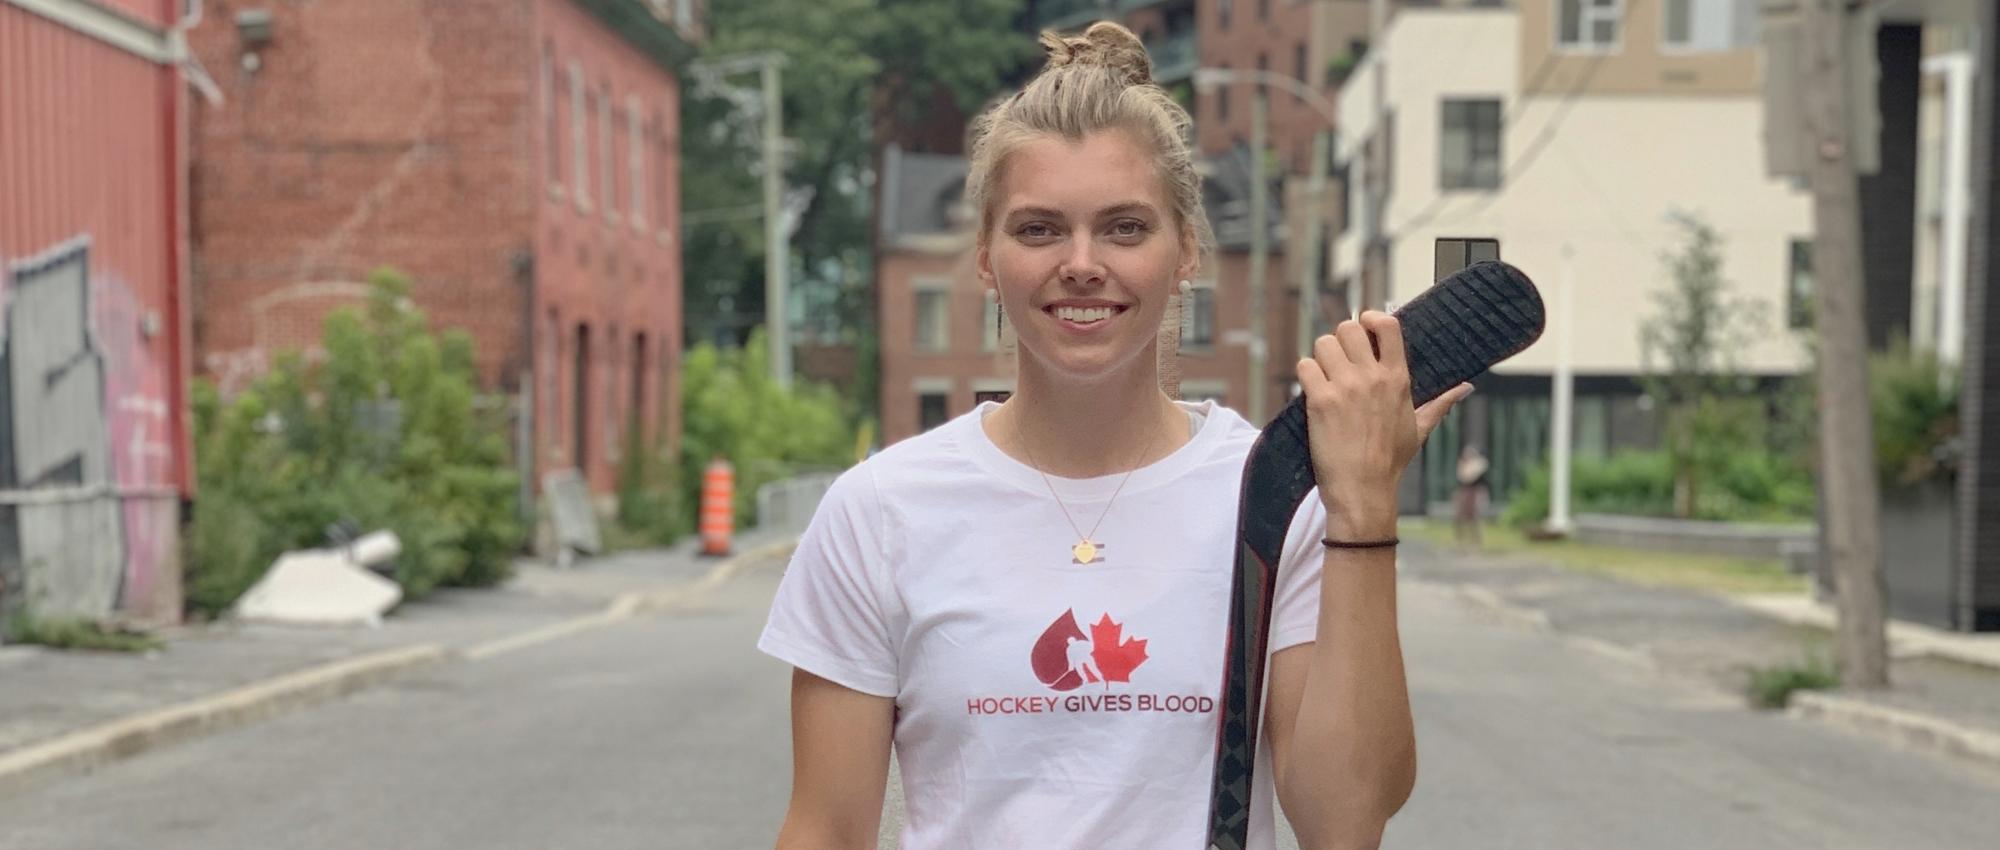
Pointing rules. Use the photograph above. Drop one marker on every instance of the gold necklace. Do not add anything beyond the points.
(1087, 548)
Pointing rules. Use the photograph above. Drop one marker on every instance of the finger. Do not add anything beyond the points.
(1434, 411)
(1354, 341)
(1388, 333)
(1331, 358)
(1312, 379)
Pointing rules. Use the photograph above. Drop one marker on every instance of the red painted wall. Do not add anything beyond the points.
(92, 153)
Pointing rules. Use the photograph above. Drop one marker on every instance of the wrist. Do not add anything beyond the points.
(1359, 519)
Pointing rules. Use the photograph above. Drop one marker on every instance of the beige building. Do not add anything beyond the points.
(1563, 134)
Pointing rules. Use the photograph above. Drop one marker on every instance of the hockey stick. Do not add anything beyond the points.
(1453, 332)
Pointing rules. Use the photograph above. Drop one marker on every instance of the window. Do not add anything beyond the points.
(933, 317)
(989, 323)
(1299, 63)
(1223, 8)
(1201, 325)
(1709, 25)
(1263, 10)
(931, 410)
(607, 139)
(635, 149)
(552, 154)
(1799, 289)
(1469, 147)
(1198, 391)
(1589, 25)
(579, 137)
(1453, 255)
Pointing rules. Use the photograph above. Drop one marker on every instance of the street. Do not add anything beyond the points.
(669, 730)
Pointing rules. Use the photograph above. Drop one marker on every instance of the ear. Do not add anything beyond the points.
(984, 261)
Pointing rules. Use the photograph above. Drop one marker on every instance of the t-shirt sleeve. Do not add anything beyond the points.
(1295, 603)
(835, 613)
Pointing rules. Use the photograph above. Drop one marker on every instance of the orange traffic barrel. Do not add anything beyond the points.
(718, 507)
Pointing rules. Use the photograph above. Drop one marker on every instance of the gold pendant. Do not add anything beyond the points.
(1085, 551)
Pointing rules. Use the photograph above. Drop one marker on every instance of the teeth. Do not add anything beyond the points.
(1083, 315)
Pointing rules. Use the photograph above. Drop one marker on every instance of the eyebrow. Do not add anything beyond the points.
(1120, 209)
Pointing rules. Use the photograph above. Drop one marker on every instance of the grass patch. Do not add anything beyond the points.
(74, 633)
(1711, 573)
(1772, 687)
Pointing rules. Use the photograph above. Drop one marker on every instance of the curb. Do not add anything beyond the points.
(92, 747)
(1907, 728)
(87, 749)
(1918, 731)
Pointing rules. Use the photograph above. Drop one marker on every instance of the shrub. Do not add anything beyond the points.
(1916, 416)
(384, 431)
(733, 410)
(1772, 687)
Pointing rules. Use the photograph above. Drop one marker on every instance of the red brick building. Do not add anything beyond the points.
(517, 159)
(95, 465)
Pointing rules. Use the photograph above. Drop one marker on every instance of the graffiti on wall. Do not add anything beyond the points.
(86, 457)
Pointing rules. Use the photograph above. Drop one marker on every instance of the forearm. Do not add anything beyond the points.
(1352, 759)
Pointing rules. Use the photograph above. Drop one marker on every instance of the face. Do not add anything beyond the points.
(1084, 249)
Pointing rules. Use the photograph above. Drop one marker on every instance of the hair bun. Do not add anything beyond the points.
(1104, 44)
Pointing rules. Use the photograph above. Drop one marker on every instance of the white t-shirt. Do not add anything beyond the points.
(1041, 703)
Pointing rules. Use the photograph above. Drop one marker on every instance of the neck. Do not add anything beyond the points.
(1076, 429)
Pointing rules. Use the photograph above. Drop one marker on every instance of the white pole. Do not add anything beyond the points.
(1957, 202)
(1563, 391)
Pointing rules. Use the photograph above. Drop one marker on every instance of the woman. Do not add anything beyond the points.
(1028, 603)
(1470, 503)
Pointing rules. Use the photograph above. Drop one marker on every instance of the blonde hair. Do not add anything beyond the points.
(1099, 81)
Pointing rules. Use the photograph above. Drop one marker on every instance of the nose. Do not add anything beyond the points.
(1081, 267)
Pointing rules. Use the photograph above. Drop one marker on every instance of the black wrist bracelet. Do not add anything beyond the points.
(1331, 543)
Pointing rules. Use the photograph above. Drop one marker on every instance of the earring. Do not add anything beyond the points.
(1187, 309)
(999, 312)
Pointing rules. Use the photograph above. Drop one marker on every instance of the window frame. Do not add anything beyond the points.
(1468, 175)
(920, 289)
(1588, 12)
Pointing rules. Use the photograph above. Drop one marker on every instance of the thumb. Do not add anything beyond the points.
(1434, 411)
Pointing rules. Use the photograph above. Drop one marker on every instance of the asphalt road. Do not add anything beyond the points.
(670, 731)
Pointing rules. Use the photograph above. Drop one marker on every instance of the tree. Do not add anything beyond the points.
(847, 60)
(1701, 395)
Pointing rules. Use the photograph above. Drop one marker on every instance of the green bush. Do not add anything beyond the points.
(1772, 687)
(649, 497)
(1748, 486)
(733, 410)
(1916, 415)
(385, 431)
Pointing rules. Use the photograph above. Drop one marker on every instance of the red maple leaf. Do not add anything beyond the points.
(1115, 660)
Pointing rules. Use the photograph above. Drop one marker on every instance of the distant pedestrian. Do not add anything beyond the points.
(1470, 501)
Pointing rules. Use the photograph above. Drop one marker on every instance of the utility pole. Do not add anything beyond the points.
(1562, 396)
(1260, 233)
(777, 291)
(1374, 249)
(1847, 433)
(777, 260)
(1309, 245)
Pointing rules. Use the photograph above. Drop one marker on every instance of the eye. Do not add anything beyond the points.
(1035, 230)
(1128, 228)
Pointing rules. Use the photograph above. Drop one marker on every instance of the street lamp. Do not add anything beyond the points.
(1207, 80)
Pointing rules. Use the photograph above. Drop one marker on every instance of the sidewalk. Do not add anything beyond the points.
(64, 711)
(1943, 698)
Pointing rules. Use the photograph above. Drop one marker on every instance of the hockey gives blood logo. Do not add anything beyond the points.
(1065, 659)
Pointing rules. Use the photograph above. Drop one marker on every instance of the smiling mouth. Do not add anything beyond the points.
(1083, 317)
